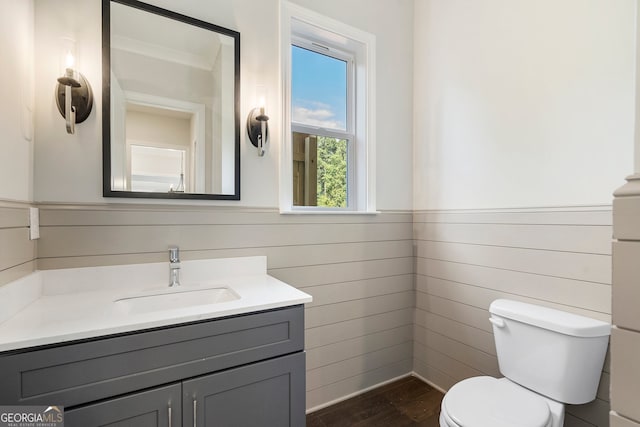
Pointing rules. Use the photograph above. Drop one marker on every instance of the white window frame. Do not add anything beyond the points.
(348, 133)
(300, 26)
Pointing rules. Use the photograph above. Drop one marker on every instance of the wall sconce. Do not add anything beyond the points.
(258, 128)
(74, 96)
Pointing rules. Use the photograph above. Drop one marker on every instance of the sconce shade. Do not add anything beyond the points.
(81, 96)
(254, 126)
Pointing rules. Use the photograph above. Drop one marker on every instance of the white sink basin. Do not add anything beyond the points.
(172, 299)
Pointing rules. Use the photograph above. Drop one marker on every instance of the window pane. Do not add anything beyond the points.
(157, 169)
(319, 171)
(318, 89)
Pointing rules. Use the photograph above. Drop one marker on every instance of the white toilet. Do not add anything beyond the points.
(548, 357)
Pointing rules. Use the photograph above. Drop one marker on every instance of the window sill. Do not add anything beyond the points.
(326, 212)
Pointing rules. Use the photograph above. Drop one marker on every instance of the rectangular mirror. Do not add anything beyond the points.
(171, 119)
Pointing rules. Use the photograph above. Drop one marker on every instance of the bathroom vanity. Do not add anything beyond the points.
(228, 363)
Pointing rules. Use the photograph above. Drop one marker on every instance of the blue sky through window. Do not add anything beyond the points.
(318, 89)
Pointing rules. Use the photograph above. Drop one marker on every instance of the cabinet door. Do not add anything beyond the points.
(158, 407)
(269, 393)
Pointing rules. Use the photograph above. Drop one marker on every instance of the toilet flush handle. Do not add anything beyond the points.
(498, 322)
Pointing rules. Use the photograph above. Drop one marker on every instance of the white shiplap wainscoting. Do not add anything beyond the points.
(465, 259)
(17, 252)
(393, 293)
(359, 269)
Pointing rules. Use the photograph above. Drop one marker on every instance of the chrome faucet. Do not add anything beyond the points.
(174, 266)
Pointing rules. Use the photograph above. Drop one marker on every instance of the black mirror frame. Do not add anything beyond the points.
(107, 191)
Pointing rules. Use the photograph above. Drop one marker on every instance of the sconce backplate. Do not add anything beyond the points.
(81, 98)
(254, 126)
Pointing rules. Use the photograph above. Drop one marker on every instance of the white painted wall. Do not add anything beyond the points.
(67, 166)
(522, 104)
(16, 118)
(541, 91)
(160, 130)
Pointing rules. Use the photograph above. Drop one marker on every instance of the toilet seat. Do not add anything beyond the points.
(492, 402)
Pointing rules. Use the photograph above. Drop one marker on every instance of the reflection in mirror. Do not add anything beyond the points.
(171, 119)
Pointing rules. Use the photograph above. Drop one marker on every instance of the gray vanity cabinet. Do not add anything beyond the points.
(245, 370)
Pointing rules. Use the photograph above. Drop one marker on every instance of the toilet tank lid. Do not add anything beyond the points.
(551, 319)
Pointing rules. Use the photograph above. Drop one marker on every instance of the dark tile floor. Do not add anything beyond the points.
(406, 402)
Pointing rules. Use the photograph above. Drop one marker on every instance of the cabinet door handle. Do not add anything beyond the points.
(195, 410)
(169, 415)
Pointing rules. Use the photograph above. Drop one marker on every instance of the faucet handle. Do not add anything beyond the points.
(174, 254)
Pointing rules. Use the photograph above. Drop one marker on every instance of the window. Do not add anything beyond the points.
(157, 169)
(322, 138)
(328, 153)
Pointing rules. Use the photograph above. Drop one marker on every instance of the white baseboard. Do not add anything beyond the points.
(359, 392)
(424, 380)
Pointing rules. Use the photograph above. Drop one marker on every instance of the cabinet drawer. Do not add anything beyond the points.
(76, 373)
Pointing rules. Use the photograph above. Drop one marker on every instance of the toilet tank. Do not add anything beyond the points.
(552, 352)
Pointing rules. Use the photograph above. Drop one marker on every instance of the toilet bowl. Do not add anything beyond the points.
(492, 402)
(549, 358)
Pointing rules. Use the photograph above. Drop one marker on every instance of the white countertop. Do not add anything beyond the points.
(54, 306)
